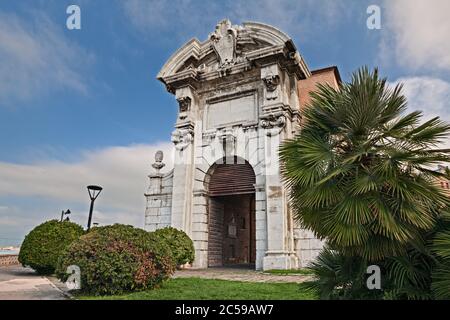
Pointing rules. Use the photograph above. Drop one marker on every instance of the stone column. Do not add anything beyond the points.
(200, 228)
(159, 197)
(183, 139)
(280, 252)
(182, 178)
(260, 225)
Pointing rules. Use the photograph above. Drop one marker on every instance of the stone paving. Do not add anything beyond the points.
(247, 275)
(19, 283)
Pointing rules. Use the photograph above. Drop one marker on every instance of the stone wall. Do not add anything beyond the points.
(9, 259)
(307, 246)
(159, 202)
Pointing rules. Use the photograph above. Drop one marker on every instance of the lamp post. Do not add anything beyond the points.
(94, 191)
(66, 213)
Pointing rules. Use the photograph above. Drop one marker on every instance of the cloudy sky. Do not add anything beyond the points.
(81, 107)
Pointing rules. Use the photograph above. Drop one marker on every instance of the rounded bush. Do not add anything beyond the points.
(179, 242)
(42, 247)
(116, 259)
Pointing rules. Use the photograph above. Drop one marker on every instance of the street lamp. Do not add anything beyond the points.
(66, 213)
(94, 191)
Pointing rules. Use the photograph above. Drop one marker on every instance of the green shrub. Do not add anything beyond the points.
(116, 259)
(179, 242)
(43, 246)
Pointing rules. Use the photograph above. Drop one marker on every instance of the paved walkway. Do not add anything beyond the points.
(239, 275)
(18, 283)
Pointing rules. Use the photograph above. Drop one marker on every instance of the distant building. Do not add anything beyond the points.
(442, 182)
(240, 94)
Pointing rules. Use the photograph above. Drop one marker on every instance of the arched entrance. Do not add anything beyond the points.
(231, 207)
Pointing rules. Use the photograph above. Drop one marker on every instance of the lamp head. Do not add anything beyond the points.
(94, 191)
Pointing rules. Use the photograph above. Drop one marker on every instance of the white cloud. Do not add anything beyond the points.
(416, 33)
(53, 186)
(427, 94)
(36, 58)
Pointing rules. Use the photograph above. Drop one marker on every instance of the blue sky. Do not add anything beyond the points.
(84, 106)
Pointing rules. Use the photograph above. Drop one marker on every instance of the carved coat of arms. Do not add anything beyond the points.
(224, 42)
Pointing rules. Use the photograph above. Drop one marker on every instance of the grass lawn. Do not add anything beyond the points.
(290, 272)
(203, 289)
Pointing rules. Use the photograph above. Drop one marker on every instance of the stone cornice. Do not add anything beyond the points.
(277, 47)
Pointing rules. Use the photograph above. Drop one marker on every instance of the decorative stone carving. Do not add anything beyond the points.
(182, 137)
(271, 82)
(273, 121)
(184, 106)
(237, 48)
(224, 43)
(158, 164)
(273, 124)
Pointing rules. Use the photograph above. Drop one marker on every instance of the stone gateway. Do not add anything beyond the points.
(240, 94)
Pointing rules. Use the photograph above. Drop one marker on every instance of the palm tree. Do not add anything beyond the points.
(359, 172)
(440, 247)
(338, 276)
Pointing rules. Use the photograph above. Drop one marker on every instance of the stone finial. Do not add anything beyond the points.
(158, 164)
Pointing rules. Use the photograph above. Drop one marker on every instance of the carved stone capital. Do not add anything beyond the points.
(229, 136)
(273, 124)
(208, 137)
(182, 137)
